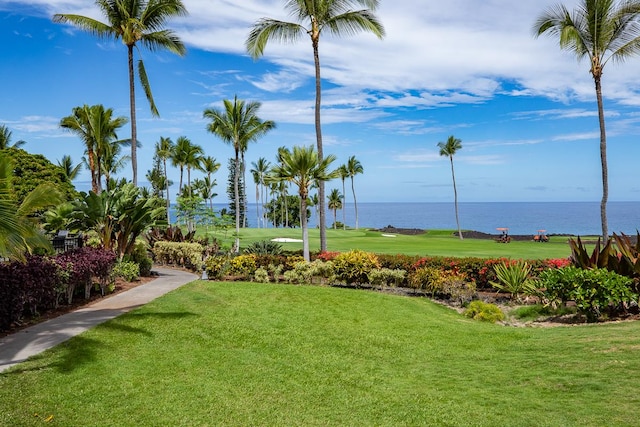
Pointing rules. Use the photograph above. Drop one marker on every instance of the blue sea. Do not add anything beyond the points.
(577, 218)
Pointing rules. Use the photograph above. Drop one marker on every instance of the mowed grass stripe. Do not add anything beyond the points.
(255, 354)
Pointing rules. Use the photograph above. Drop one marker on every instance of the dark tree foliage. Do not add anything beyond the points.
(277, 215)
(30, 170)
(232, 194)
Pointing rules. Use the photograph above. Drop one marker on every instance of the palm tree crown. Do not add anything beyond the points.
(237, 124)
(5, 139)
(601, 30)
(97, 128)
(133, 22)
(339, 17)
(354, 167)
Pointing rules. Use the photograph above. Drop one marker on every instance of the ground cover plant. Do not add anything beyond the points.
(215, 353)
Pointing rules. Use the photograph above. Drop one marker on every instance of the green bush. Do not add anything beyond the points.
(354, 266)
(515, 278)
(243, 265)
(593, 291)
(261, 275)
(140, 256)
(217, 266)
(426, 278)
(300, 274)
(483, 311)
(182, 254)
(264, 247)
(324, 271)
(127, 270)
(387, 277)
(537, 311)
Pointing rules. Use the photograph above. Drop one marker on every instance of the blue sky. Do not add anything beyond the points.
(524, 110)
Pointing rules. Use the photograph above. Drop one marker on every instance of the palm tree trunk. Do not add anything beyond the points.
(344, 205)
(305, 228)
(355, 203)
(455, 198)
(323, 219)
(603, 161)
(134, 131)
(236, 174)
(92, 166)
(166, 181)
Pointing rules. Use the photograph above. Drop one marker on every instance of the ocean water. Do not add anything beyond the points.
(578, 218)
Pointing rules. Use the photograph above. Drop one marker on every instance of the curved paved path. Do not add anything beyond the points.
(28, 342)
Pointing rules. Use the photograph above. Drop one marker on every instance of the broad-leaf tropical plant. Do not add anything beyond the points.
(449, 149)
(134, 22)
(313, 17)
(601, 31)
(237, 125)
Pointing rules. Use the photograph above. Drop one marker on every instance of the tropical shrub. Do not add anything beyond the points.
(515, 278)
(243, 265)
(426, 278)
(168, 234)
(387, 277)
(300, 274)
(353, 267)
(127, 270)
(327, 256)
(264, 247)
(217, 266)
(261, 275)
(140, 256)
(324, 271)
(483, 311)
(188, 255)
(593, 291)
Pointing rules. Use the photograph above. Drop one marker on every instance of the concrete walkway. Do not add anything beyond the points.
(28, 342)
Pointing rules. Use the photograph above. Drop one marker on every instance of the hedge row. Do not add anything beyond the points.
(43, 283)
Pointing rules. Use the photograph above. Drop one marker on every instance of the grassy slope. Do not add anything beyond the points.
(434, 242)
(251, 354)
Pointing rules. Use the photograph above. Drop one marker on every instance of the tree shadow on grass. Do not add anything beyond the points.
(78, 351)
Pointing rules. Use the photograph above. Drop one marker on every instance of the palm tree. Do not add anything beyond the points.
(344, 174)
(205, 187)
(111, 162)
(339, 17)
(335, 203)
(68, 167)
(601, 30)
(449, 149)
(180, 156)
(97, 129)
(209, 165)
(164, 151)
(259, 171)
(237, 125)
(193, 160)
(5, 139)
(354, 167)
(303, 168)
(134, 21)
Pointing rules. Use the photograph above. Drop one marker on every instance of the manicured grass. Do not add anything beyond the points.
(434, 242)
(255, 354)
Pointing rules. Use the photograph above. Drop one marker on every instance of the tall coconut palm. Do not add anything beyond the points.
(303, 167)
(354, 167)
(344, 174)
(449, 150)
(601, 31)
(97, 128)
(164, 151)
(335, 203)
(133, 21)
(180, 156)
(69, 169)
(259, 169)
(237, 124)
(5, 139)
(111, 162)
(340, 18)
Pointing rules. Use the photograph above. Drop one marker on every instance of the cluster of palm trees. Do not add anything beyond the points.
(601, 30)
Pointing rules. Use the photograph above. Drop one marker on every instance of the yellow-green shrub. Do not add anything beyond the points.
(353, 267)
(188, 255)
(243, 265)
(483, 311)
(217, 266)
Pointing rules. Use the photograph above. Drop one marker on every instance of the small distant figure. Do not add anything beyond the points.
(541, 236)
(504, 237)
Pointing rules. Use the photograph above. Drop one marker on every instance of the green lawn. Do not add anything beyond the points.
(433, 242)
(239, 354)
